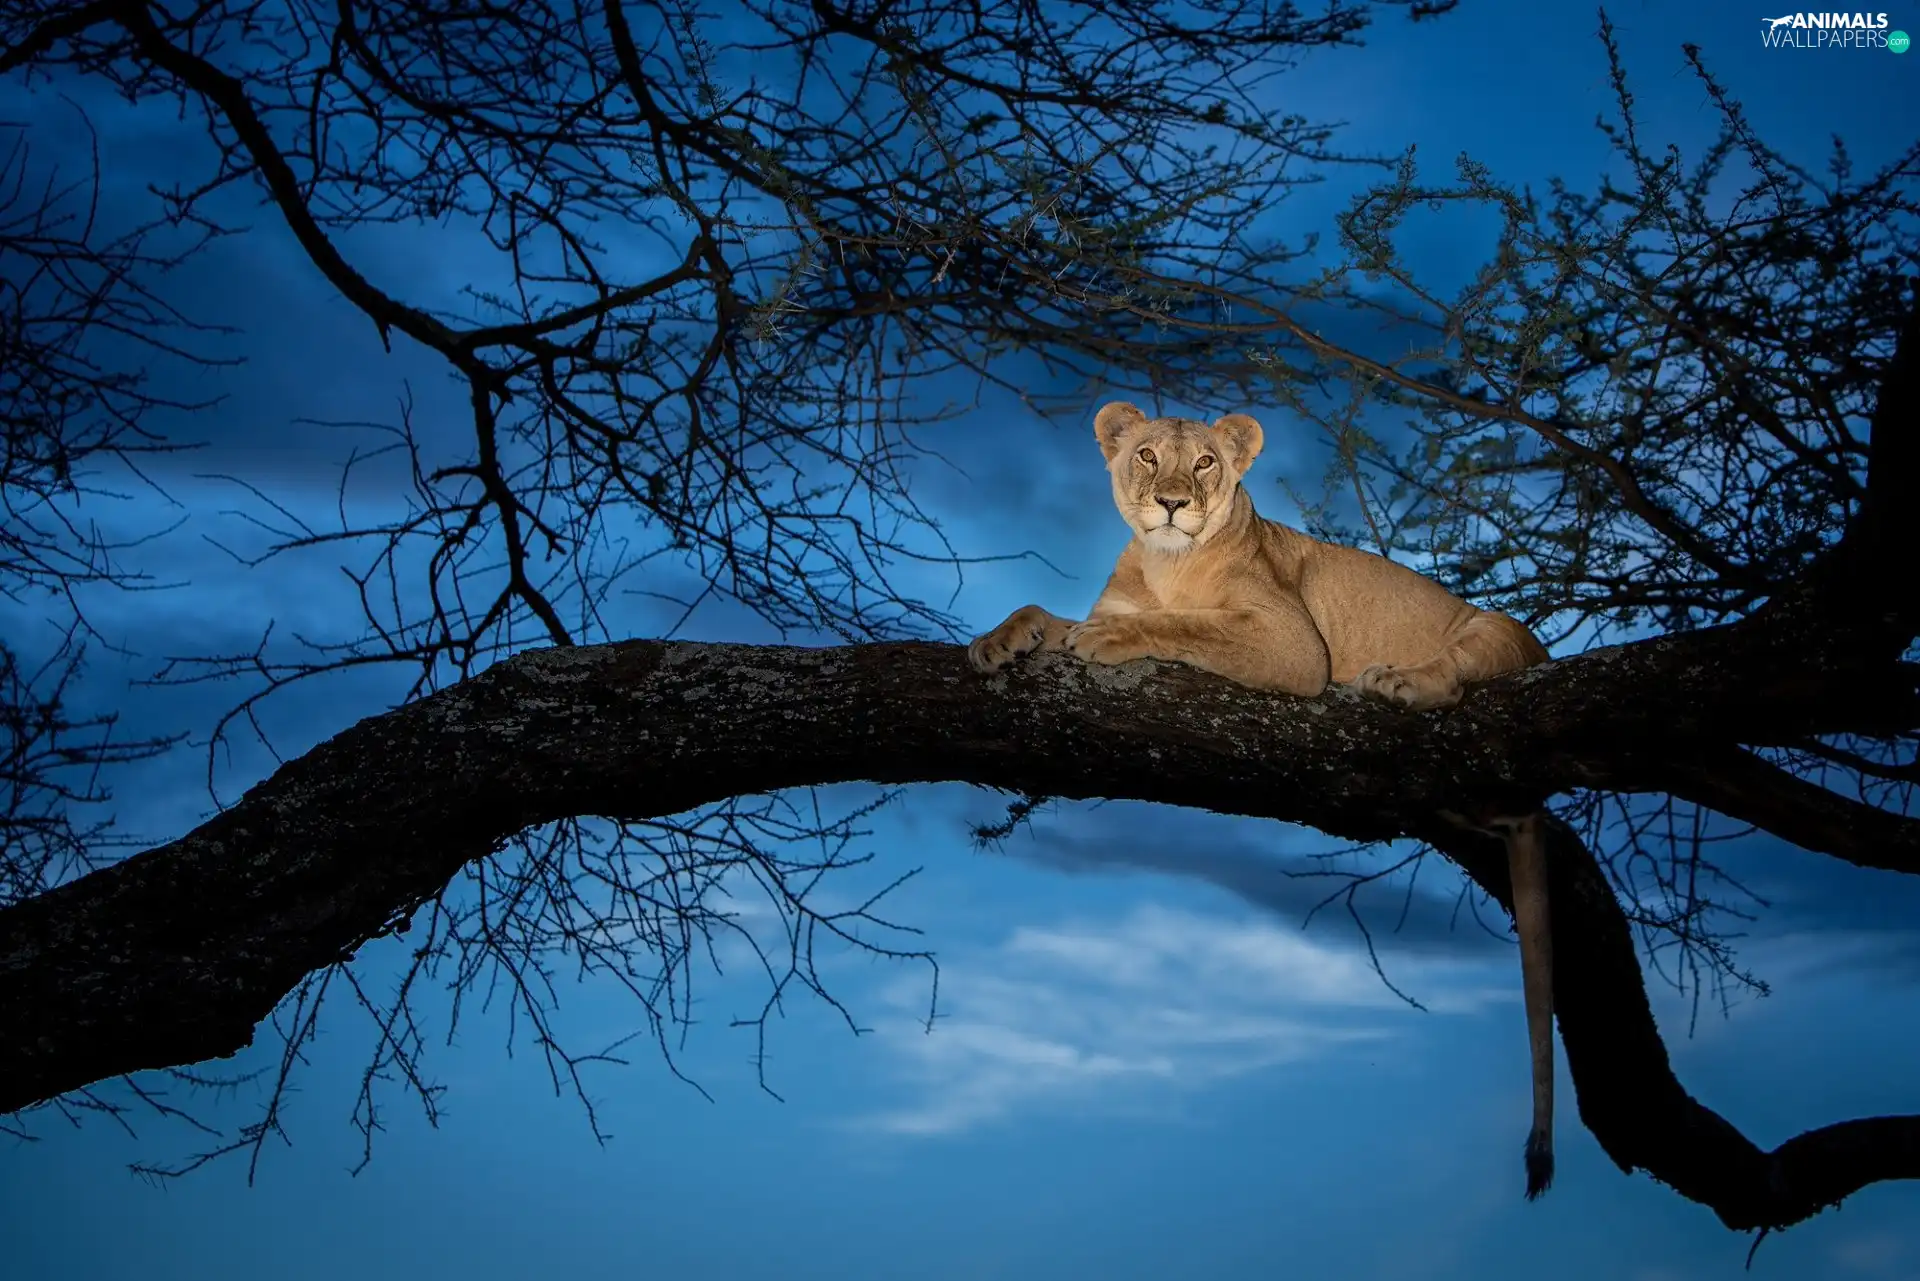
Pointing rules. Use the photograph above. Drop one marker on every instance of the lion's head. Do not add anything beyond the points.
(1174, 478)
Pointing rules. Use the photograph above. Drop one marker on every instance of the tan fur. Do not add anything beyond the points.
(1208, 582)
(1527, 867)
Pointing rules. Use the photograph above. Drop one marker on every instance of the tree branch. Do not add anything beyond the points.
(44, 36)
(1885, 520)
(229, 96)
(174, 955)
(1854, 585)
(1628, 1095)
(1743, 786)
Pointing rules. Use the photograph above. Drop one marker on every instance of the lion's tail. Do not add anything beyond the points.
(1527, 866)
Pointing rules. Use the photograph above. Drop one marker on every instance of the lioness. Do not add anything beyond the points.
(1208, 582)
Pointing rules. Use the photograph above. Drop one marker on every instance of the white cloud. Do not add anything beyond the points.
(1874, 1254)
(1158, 1000)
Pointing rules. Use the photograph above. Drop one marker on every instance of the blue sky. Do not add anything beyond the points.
(1145, 1066)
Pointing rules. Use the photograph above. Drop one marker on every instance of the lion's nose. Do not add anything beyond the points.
(1172, 504)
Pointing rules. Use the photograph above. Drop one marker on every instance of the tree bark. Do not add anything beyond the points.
(175, 955)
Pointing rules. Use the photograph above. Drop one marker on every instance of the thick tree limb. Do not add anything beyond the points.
(1884, 526)
(175, 955)
(1856, 589)
(1628, 1095)
(1744, 786)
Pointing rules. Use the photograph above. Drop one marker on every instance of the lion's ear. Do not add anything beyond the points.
(1240, 439)
(1111, 422)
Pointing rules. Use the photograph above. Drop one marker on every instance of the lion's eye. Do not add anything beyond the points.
(1203, 462)
(1146, 456)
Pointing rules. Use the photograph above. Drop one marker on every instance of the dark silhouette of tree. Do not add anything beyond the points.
(1671, 422)
(67, 290)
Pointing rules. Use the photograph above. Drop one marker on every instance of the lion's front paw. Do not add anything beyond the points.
(1020, 635)
(1403, 687)
(1106, 641)
(1384, 684)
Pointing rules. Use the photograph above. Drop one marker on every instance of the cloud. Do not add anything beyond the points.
(1278, 867)
(1820, 916)
(1875, 1254)
(1142, 1007)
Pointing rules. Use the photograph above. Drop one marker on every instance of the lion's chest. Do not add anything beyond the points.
(1181, 582)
